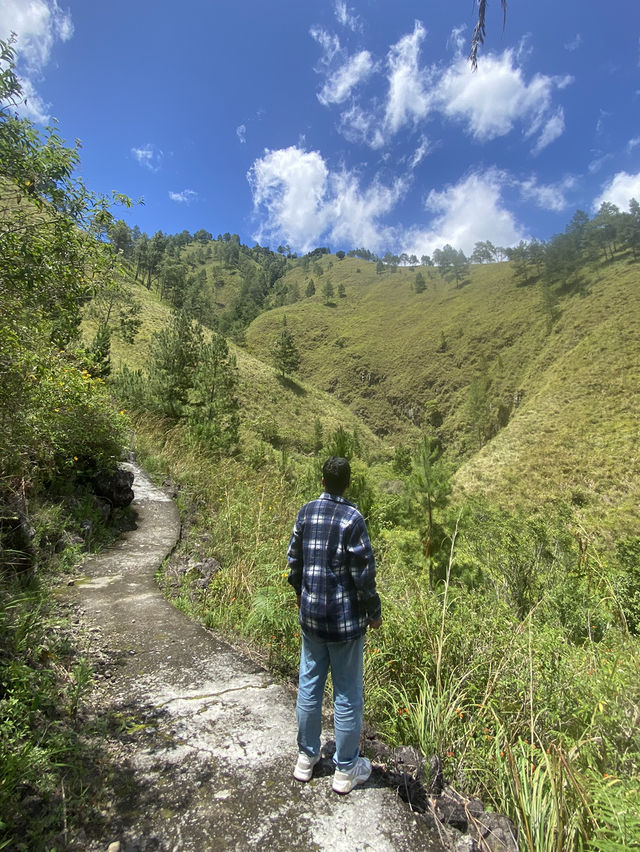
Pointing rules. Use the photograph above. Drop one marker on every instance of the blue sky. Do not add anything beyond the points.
(343, 124)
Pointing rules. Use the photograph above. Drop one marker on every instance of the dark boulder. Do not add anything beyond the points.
(114, 486)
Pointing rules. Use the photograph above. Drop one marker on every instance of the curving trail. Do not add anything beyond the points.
(206, 760)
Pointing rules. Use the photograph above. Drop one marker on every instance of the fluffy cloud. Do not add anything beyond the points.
(548, 196)
(304, 204)
(148, 156)
(492, 99)
(466, 213)
(408, 100)
(620, 190)
(339, 85)
(345, 17)
(355, 213)
(359, 126)
(241, 133)
(329, 43)
(38, 25)
(184, 197)
(489, 103)
(553, 128)
(32, 106)
(289, 186)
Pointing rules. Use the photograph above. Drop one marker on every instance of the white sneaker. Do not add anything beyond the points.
(304, 766)
(344, 780)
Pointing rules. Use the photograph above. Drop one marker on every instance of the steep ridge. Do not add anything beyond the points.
(561, 393)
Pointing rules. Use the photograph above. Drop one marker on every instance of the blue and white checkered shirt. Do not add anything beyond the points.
(332, 568)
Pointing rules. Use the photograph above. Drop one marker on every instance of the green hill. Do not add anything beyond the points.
(283, 414)
(536, 405)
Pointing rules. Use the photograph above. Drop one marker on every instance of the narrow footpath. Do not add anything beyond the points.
(210, 737)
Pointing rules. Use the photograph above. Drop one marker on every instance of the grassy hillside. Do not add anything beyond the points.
(559, 395)
(279, 413)
(575, 433)
(381, 349)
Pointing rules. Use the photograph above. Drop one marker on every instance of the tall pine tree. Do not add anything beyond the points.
(285, 353)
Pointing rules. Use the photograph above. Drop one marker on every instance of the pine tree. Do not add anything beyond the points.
(285, 353)
(174, 355)
(429, 487)
(214, 410)
(101, 352)
(327, 291)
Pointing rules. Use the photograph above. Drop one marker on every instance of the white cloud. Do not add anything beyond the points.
(304, 204)
(241, 132)
(633, 143)
(574, 44)
(329, 43)
(184, 197)
(553, 128)
(550, 196)
(358, 126)
(620, 190)
(466, 213)
(598, 162)
(457, 39)
(355, 212)
(290, 187)
(32, 106)
(492, 99)
(339, 85)
(148, 156)
(408, 99)
(345, 17)
(38, 25)
(423, 149)
(490, 102)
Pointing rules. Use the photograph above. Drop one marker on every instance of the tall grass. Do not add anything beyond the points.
(537, 715)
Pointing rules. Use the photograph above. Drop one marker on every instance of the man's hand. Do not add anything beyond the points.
(375, 623)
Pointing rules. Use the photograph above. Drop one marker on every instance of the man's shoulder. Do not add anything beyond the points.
(330, 502)
(346, 510)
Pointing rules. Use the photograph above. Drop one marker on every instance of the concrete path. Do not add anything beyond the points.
(209, 745)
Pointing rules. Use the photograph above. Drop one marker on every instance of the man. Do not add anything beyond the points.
(332, 569)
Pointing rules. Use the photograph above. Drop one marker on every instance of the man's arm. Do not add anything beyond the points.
(363, 571)
(294, 558)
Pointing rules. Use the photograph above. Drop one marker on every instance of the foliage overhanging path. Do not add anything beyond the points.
(210, 736)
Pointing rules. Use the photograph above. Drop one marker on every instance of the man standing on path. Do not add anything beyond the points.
(332, 569)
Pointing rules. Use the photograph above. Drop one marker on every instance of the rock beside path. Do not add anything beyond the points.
(206, 742)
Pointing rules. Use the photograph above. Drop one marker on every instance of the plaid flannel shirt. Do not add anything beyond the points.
(332, 568)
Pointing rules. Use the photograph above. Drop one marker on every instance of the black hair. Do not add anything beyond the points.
(336, 472)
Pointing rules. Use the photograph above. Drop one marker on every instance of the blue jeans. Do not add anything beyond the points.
(345, 660)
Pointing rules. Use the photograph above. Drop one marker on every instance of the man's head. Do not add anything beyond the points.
(336, 475)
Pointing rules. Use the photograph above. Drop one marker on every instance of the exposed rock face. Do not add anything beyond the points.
(461, 821)
(116, 487)
(16, 541)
